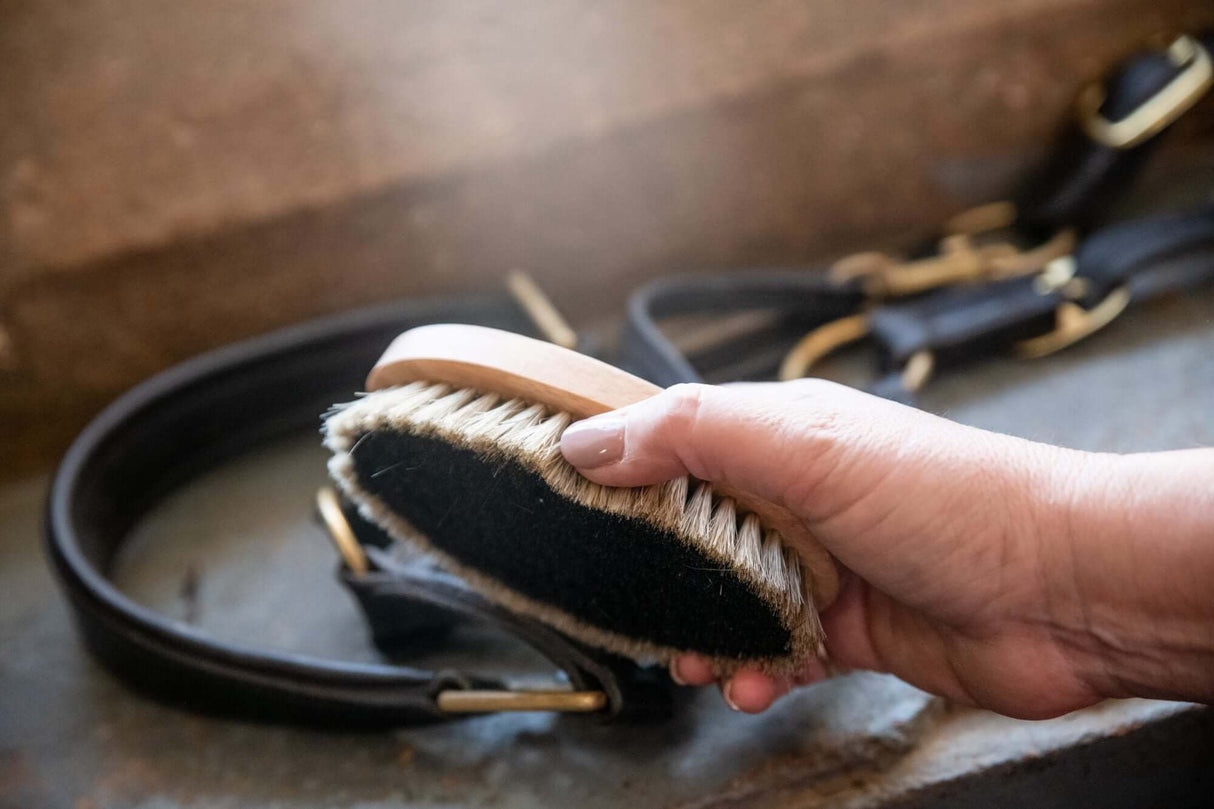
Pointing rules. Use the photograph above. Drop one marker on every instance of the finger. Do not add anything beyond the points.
(846, 626)
(751, 691)
(691, 670)
(814, 672)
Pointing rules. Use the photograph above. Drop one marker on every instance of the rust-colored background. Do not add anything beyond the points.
(179, 175)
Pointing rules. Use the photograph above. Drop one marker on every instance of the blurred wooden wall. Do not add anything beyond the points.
(179, 175)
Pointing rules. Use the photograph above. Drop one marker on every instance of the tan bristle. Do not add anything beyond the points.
(722, 534)
(673, 500)
(749, 550)
(478, 407)
(796, 583)
(697, 513)
(438, 409)
(772, 552)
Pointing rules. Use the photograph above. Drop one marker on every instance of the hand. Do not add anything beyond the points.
(997, 572)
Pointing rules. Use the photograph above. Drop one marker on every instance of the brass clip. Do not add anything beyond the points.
(1151, 117)
(1072, 323)
(961, 259)
(470, 701)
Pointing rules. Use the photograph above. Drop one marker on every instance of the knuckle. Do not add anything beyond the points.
(681, 416)
(683, 404)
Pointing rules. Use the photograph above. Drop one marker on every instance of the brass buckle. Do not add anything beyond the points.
(485, 701)
(1172, 101)
(1072, 321)
(340, 533)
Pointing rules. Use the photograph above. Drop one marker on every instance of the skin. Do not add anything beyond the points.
(1020, 577)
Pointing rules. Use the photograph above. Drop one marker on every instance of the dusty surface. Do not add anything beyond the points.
(237, 555)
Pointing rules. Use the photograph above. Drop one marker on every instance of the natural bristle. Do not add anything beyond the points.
(479, 481)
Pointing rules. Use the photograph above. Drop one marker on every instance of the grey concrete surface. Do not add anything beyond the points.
(237, 555)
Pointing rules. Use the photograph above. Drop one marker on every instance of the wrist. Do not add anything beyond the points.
(1129, 574)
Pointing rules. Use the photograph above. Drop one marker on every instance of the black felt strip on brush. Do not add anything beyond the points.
(494, 516)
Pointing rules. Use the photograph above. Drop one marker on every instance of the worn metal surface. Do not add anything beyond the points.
(238, 555)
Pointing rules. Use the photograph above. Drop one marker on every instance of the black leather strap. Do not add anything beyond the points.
(1148, 257)
(225, 404)
(802, 300)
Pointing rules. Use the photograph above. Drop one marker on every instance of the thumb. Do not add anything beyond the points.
(757, 443)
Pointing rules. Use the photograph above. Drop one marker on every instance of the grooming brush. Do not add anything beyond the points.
(456, 450)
